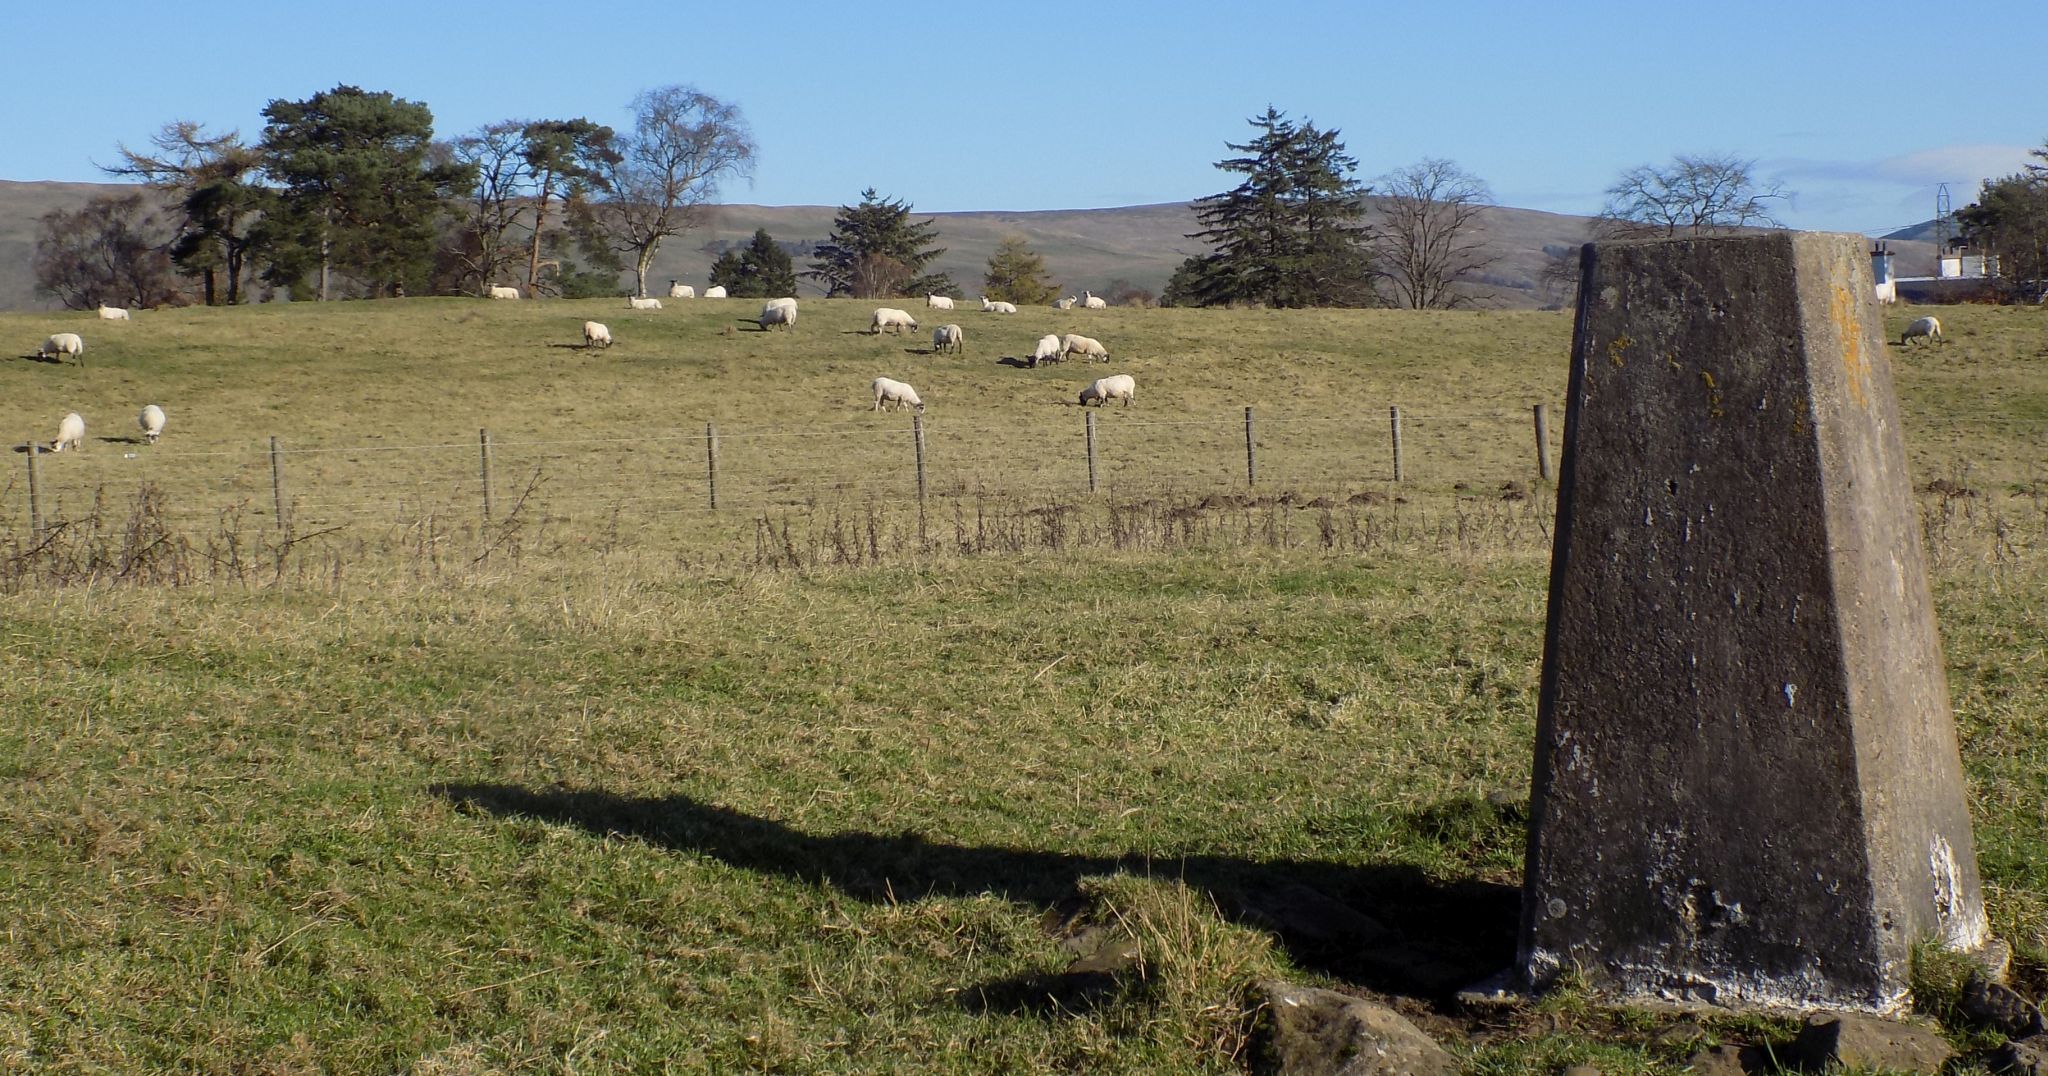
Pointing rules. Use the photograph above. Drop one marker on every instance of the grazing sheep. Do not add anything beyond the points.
(939, 302)
(1086, 346)
(681, 291)
(1929, 328)
(114, 313)
(152, 422)
(892, 319)
(893, 393)
(595, 334)
(1093, 302)
(498, 292)
(70, 432)
(1064, 304)
(63, 344)
(949, 338)
(778, 312)
(989, 306)
(1116, 387)
(642, 304)
(715, 292)
(1048, 350)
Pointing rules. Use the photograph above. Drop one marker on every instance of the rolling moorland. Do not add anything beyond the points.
(817, 782)
(1083, 249)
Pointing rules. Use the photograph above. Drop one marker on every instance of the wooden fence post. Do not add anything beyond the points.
(917, 435)
(483, 441)
(1090, 416)
(35, 494)
(1543, 442)
(1251, 462)
(277, 484)
(711, 462)
(1394, 418)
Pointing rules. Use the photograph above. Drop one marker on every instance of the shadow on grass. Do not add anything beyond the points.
(1386, 926)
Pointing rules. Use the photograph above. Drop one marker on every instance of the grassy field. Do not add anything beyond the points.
(635, 800)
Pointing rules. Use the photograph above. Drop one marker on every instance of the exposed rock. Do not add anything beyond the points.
(1726, 1061)
(1853, 1040)
(1996, 1005)
(1302, 1031)
(2023, 1057)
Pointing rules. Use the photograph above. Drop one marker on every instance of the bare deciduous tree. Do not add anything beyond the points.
(684, 143)
(1428, 233)
(110, 251)
(1693, 195)
(483, 246)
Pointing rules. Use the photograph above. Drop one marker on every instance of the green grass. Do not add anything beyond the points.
(629, 803)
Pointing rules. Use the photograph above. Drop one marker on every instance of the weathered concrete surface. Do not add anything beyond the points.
(1747, 787)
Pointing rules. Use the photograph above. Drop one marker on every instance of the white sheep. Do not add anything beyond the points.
(1086, 346)
(70, 433)
(642, 304)
(681, 291)
(152, 422)
(1116, 387)
(499, 292)
(114, 313)
(893, 393)
(1048, 350)
(63, 344)
(990, 306)
(939, 302)
(1093, 302)
(717, 292)
(949, 338)
(1064, 304)
(595, 334)
(1929, 328)
(892, 319)
(778, 312)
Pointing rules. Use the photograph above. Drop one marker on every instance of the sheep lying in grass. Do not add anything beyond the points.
(595, 334)
(715, 293)
(114, 313)
(894, 393)
(990, 306)
(1048, 350)
(892, 319)
(1928, 329)
(778, 312)
(63, 344)
(1116, 387)
(152, 422)
(1093, 302)
(939, 302)
(70, 433)
(1064, 304)
(949, 338)
(1085, 346)
(500, 292)
(642, 304)
(681, 291)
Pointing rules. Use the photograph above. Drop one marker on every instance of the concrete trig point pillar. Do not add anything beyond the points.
(1747, 787)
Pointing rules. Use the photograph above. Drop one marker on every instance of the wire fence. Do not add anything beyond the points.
(751, 469)
(712, 484)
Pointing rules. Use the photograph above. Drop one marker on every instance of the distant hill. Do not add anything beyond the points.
(1083, 248)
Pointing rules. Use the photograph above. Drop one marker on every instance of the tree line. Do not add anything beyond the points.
(347, 194)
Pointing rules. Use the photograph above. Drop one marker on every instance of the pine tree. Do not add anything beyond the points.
(1293, 233)
(876, 251)
(1016, 274)
(730, 272)
(768, 267)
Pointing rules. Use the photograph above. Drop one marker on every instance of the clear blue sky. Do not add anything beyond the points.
(1859, 108)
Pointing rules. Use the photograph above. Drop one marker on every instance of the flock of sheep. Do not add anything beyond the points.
(888, 392)
(71, 428)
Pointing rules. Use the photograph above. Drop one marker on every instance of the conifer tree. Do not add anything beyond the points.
(1016, 274)
(1293, 233)
(876, 250)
